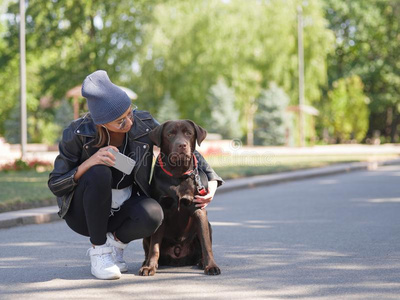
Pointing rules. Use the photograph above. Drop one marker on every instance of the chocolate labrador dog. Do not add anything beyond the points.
(184, 237)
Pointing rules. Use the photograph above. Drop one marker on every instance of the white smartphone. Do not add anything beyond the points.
(122, 162)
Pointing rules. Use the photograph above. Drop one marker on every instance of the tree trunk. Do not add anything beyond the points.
(250, 123)
(250, 130)
(389, 121)
(393, 132)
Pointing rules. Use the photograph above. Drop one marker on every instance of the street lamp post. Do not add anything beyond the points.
(22, 77)
(301, 72)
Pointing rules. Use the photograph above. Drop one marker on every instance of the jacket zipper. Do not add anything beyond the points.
(137, 170)
(61, 181)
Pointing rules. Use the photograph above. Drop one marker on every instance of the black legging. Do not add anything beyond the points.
(89, 213)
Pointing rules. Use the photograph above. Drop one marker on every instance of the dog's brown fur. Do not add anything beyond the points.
(185, 236)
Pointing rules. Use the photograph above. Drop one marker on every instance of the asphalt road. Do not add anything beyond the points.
(335, 237)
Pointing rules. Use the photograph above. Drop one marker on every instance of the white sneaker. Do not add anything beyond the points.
(117, 252)
(102, 263)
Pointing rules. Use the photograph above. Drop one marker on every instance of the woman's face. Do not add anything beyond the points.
(123, 123)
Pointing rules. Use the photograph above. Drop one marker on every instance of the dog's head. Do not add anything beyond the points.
(177, 139)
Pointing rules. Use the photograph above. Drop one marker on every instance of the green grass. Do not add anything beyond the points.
(24, 189)
(230, 167)
(27, 189)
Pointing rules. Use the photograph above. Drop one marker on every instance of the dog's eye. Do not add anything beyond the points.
(170, 134)
(188, 133)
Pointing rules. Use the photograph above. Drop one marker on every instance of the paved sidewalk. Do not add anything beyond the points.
(49, 214)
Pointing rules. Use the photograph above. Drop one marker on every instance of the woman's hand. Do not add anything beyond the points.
(101, 157)
(203, 201)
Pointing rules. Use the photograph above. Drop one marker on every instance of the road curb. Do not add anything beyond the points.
(49, 214)
(29, 216)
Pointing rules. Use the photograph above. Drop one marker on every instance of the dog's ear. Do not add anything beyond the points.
(201, 133)
(156, 134)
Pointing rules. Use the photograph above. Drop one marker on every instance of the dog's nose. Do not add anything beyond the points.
(182, 146)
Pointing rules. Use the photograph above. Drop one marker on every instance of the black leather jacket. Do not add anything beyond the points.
(77, 145)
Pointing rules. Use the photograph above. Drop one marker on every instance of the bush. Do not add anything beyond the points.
(346, 114)
(22, 165)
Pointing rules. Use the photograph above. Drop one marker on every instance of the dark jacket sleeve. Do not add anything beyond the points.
(61, 179)
(206, 168)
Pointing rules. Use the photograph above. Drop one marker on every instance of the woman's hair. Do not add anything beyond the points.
(101, 136)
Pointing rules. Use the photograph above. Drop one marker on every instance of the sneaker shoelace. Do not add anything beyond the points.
(106, 260)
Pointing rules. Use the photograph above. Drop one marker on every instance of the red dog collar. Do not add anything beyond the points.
(160, 162)
(199, 186)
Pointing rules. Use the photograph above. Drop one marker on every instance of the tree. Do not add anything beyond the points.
(270, 125)
(12, 126)
(64, 114)
(367, 35)
(9, 87)
(192, 43)
(79, 37)
(346, 115)
(155, 47)
(65, 41)
(224, 115)
(168, 109)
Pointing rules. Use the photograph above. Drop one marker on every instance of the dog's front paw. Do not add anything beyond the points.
(212, 270)
(148, 270)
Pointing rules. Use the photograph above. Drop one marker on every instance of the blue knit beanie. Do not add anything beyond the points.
(105, 100)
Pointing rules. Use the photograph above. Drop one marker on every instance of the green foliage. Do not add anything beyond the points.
(168, 109)
(367, 44)
(12, 126)
(224, 116)
(172, 53)
(65, 41)
(78, 37)
(63, 116)
(9, 87)
(192, 43)
(270, 125)
(346, 114)
(21, 165)
(43, 131)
